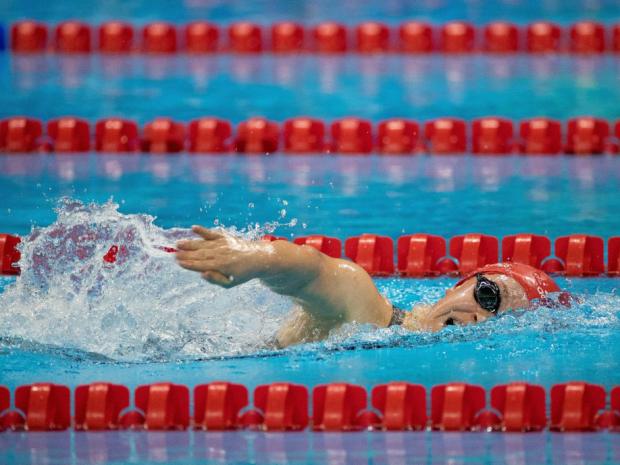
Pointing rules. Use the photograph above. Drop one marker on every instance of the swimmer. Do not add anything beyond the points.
(329, 292)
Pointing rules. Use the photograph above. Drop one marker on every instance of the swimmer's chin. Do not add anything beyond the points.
(418, 320)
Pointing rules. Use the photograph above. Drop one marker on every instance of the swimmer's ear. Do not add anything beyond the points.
(217, 278)
(205, 233)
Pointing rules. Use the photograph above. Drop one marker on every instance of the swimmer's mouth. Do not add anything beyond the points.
(449, 322)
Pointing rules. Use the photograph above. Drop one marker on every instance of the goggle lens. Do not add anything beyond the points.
(487, 294)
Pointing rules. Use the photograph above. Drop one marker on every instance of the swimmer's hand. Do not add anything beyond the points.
(221, 258)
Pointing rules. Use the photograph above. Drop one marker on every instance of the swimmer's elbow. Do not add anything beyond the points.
(292, 268)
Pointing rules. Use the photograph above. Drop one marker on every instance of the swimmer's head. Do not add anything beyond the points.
(487, 292)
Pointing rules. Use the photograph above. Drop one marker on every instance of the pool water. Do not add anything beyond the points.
(279, 87)
(83, 319)
(72, 319)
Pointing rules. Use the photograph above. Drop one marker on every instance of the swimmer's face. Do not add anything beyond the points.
(459, 306)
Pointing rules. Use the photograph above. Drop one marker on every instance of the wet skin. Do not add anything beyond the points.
(327, 292)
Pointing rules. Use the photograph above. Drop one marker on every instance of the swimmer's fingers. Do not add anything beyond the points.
(217, 278)
(194, 244)
(207, 234)
(195, 265)
(200, 254)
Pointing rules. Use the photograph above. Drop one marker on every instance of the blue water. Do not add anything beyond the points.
(311, 11)
(376, 87)
(337, 196)
(147, 320)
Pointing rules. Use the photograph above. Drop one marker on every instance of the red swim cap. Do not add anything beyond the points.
(536, 283)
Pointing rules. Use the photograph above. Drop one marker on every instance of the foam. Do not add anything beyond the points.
(142, 307)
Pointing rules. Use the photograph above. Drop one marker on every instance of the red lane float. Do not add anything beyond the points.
(39, 407)
(615, 399)
(201, 37)
(328, 245)
(521, 407)
(613, 256)
(372, 37)
(245, 37)
(473, 251)
(541, 136)
(419, 255)
(373, 253)
(398, 136)
(304, 135)
(116, 37)
(587, 135)
(113, 135)
(528, 249)
(454, 406)
(445, 136)
(9, 255)
(578, 255)
(402, 406)
(5, 403)
(332, 37)
(457, 37)
(280, 407)
(587, 37)
(20, 135)
(337, 406)
(159, 37)
(209, 135)
(287, 37)
(351, 136)
(416, 37)
(98, 406)
(422, 255)
(492, 136)
(165, 407)
(257, 135)
(69, 134)
(501, 37)
(574, 406)
(329, 37)
(163, 135)
(543, 37)
(271, 238)
(610, 418)
(28, 37)
(72, 37)
(217, 405)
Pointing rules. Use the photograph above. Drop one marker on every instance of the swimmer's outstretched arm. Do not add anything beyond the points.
(329, 291)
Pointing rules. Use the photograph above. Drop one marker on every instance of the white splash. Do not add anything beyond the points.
(142, 307)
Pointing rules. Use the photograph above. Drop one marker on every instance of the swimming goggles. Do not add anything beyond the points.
(487, 294)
